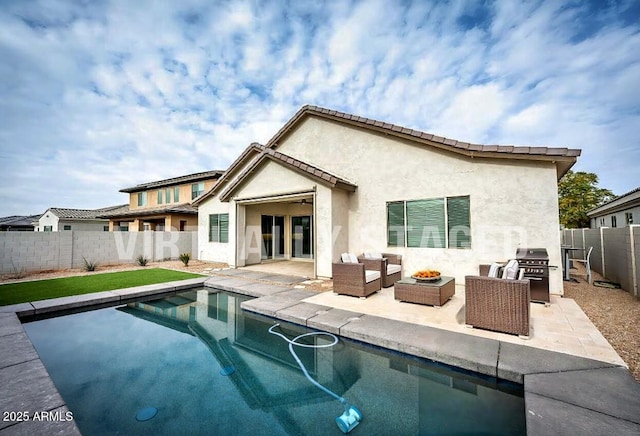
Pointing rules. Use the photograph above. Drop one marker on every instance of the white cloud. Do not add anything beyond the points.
(100, 96)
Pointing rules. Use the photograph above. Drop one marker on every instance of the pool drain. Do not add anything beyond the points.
(146, 414)
(227, 370)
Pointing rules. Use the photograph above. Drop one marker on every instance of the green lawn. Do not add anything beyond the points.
(14, 293)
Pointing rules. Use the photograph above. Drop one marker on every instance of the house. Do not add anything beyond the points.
(619, 212)
(330, 182)
(18, 223)
(58, 219)
(163, 204)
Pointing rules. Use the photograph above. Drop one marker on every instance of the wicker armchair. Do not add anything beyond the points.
(497, 304)
(350, 278)
(389, 265)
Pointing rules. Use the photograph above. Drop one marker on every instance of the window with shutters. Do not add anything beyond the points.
(432, 223)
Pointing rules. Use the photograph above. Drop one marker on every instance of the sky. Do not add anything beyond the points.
(97, 96)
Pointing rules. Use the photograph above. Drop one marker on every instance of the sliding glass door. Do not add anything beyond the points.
(302, 237)
(272, 237)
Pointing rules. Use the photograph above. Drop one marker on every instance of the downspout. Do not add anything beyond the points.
(314, 222)
(235, 239)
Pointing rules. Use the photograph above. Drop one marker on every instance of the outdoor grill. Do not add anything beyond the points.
(535, 262)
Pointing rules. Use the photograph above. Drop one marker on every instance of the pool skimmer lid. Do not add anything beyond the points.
(146, 414)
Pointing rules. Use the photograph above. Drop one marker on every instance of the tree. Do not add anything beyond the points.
(577, 194)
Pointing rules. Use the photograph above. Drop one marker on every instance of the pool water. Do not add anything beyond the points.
(210, 368)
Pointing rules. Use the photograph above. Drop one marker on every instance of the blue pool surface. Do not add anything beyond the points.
(195, 363)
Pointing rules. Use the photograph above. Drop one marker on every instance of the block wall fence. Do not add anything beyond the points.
(42, 251)
(615, 255)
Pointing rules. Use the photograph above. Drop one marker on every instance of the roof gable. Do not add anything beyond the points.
(298, 166)
(563, 157)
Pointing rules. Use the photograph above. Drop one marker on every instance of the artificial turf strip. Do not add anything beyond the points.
(14, 293)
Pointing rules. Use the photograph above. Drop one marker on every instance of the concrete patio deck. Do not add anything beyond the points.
(562, 326)
(564, 393)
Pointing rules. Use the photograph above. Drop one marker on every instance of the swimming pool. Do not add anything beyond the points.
(210, 368)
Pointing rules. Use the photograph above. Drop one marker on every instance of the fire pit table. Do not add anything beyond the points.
(434, 293)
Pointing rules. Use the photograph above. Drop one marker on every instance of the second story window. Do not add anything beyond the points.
(614, 221)
(176, 194)
(142, 198)
(197, 189)
(167, 195)
(160, 196)
(629, 217)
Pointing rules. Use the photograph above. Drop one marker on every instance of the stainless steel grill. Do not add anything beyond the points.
(535, 262)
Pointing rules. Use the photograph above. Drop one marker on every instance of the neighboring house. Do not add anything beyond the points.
(164, 204)
(622, 211)
(18, 223)
(330, 182)
(59, 219)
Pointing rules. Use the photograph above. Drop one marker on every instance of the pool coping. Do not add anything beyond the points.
(562, 393)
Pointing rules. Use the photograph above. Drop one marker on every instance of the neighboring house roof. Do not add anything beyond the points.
(190, 178)
(296, 165)
(84, 214)
(18, 220)
(127, 213)
(565, 157)
(621, 202)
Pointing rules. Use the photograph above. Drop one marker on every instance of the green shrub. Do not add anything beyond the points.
(185, 257)
(89, 265)
(142, 261)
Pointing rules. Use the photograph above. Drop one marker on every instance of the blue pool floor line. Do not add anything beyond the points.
(351, 416)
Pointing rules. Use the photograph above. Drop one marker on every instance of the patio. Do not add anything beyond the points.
(300, 268)
(562, 327)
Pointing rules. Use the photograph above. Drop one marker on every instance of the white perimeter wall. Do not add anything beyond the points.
(41, 251)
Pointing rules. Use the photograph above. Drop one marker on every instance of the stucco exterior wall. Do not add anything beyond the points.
(513, 203)
(48, 219)
(621, 219)
(216, 251)
(84, 225)
(340, 220)
(184, 195)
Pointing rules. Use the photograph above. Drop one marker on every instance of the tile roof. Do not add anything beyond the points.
(564, 158)
(18, 220)
(417, 135)
(299, 166)
(185, 208)
(621, 202)
(196, 177)
(83, 214)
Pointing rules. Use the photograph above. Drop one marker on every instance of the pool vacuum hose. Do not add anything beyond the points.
(351, 416)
